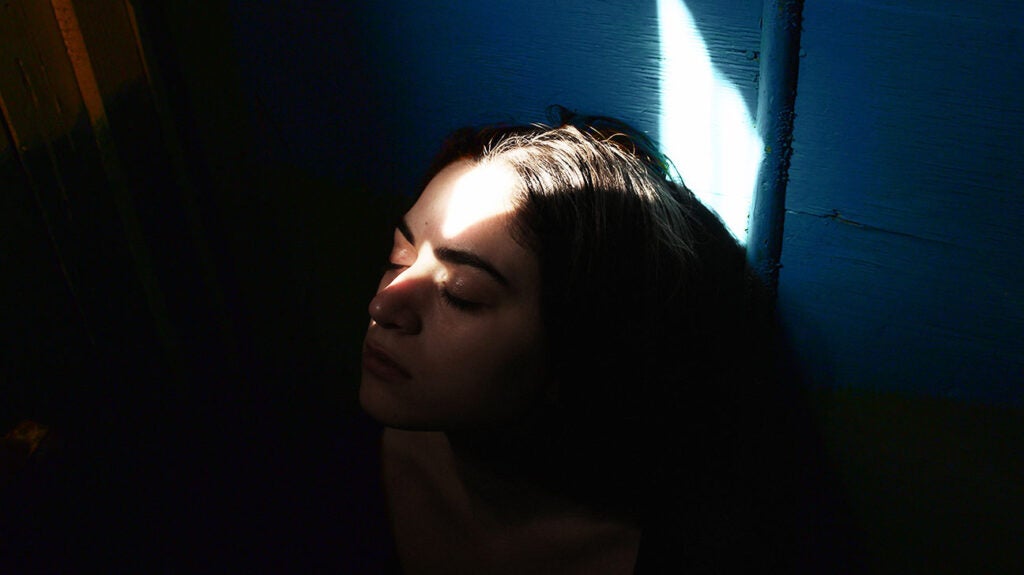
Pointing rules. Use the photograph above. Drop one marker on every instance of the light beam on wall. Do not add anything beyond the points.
(705, 128)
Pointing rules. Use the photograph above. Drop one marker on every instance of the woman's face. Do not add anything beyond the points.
(455, 339)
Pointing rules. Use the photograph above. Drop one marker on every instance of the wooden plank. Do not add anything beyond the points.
(869, 309)
(901, 245)
(909, 119)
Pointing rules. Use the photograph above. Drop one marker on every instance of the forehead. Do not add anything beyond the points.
(469, 206)
(465, 195)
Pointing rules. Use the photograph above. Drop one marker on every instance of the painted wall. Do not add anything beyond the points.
(387, 84)
(901, 280)
(367, 93)
(900, 258)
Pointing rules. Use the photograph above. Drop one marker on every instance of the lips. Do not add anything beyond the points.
(382, 366)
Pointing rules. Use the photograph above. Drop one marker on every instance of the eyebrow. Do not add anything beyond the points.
(461, 257)
(456, 256)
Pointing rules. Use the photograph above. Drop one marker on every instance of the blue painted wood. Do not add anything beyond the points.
(901, 259)
(362, 93)
(874, 310)
(780, 61)
(433, 67)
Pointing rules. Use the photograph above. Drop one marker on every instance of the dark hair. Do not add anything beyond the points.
(659, 335)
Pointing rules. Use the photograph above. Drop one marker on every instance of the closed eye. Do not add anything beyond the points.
(459, 303)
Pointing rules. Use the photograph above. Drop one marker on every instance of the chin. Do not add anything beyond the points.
(386, 409)
(374, 401)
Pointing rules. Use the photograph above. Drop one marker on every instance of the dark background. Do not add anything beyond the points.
(197, 199)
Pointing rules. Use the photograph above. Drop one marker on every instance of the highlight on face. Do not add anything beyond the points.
(455, 339)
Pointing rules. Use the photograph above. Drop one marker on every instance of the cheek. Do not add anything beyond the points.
(492, 375)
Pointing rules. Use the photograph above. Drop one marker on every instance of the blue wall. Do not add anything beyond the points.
(385, 85)
(900, 267)
(901, 259)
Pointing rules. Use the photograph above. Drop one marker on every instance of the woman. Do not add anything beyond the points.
(574, 368)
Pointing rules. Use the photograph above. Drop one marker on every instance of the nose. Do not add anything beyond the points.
(396, 306)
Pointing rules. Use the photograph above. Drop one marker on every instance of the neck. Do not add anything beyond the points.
(499, 475)
(458, 501)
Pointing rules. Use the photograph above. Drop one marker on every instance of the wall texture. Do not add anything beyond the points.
(901, 241)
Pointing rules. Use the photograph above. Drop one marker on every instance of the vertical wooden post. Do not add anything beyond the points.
(776, 99)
